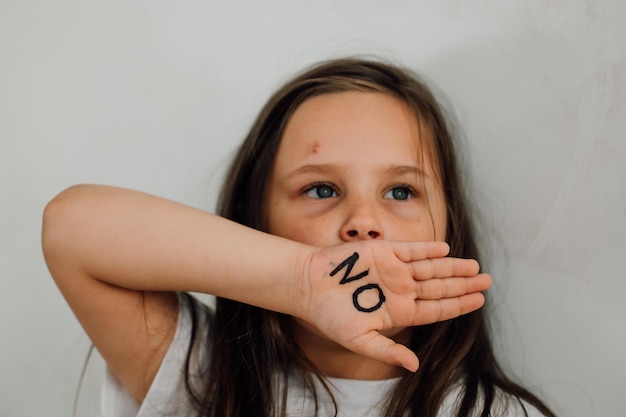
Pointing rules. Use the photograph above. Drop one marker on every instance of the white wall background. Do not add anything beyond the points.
(156, 95)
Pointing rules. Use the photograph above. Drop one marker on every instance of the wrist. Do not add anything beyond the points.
(300, 280)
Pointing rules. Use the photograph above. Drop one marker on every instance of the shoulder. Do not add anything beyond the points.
(168, 394)
(504, 405)
(193, 331)
(508, 405)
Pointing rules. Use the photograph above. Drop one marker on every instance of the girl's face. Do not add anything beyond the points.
(350, 167)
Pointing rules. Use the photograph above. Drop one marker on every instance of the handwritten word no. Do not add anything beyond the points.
(349, 264)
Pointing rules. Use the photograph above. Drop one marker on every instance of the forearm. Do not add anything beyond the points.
(141, 242)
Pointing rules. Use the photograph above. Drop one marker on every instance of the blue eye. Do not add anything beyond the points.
(399, 193)
(321, 191)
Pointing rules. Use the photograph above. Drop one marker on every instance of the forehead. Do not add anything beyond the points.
(353, 125)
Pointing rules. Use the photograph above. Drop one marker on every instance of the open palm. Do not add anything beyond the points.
(355, 292)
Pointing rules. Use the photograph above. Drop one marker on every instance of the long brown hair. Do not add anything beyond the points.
(252, 349)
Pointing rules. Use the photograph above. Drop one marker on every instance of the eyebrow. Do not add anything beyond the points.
(326, 168)
(406, 169)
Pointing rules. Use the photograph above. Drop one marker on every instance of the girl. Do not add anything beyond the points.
(344, 252)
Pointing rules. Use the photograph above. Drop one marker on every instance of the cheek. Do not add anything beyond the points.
(298, 231)
(304, 229)
(440, 219)
(309, 232)
(285, 223)
(413, 222)
(437, 211)
(416, 230)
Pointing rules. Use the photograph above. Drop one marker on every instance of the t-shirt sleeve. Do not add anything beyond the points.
(167, 395)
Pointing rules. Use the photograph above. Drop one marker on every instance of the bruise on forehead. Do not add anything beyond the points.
(314, 148)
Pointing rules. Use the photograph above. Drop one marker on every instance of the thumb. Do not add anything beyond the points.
(385, 350)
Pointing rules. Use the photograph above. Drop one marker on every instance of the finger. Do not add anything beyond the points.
(385, 350)
(436, 289)
(433, 311)
(444, 268)
(415, 251)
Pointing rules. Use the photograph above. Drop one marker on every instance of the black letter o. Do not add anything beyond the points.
(355, 298)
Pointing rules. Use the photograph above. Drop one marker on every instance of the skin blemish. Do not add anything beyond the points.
(315, 147)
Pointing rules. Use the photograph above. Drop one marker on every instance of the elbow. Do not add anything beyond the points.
(57, 223)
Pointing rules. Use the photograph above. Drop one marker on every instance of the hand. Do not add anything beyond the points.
(354, 292)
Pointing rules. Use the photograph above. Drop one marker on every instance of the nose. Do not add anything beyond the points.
(361, 223)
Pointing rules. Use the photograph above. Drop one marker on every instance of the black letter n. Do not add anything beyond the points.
(349, 263)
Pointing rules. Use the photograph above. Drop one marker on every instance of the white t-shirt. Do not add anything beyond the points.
(167, 396)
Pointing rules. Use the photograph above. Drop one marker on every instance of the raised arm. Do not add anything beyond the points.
(118, 255)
